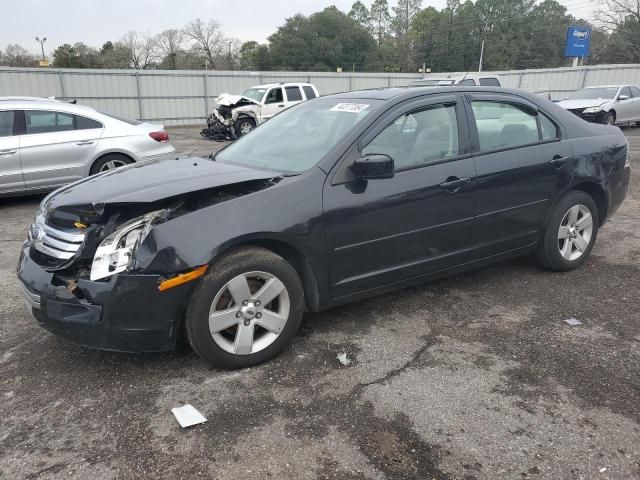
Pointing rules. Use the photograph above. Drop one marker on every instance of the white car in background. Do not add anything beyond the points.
(478, 79)
(609, 104)
(47, 143)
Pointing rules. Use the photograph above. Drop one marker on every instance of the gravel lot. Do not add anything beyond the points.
(472, 377)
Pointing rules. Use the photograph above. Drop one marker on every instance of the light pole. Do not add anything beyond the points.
(41, 42)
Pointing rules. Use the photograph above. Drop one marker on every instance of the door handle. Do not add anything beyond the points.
(281, 106)
(85, 142)
(453, 184)
(558, 161)
(8, 151)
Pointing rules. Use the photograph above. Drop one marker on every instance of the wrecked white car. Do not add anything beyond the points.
(236, 115)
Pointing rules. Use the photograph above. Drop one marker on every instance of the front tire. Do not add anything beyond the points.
(244, 125)
(246, 310)
(570, 233)
(609, 118)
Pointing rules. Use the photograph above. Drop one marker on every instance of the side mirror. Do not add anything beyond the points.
(375, 166)
(623, 97)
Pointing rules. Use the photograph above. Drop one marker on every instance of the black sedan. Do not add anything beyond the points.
(333, 200)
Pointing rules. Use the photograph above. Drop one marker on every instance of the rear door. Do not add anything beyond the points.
(273, 103)
(523, 165)
(385, 231)
(293, 94)
(10, 169)
(56, 147)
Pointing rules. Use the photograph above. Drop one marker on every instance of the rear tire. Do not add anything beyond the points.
(244, 125)
(226, 323)
(110, 161)
(570, 233)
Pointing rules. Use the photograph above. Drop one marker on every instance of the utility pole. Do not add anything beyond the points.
(481, 56)
(41, 42)
(230, 63)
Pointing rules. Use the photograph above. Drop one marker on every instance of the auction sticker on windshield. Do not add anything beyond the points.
(349, 107)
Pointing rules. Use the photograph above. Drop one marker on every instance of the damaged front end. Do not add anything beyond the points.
(92, 272)
(221, 124)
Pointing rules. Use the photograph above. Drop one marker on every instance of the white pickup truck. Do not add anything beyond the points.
(237, 115)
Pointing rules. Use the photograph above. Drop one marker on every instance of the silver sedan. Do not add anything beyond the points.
(46, 143)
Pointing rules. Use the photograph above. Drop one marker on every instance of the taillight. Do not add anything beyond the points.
(160, 136)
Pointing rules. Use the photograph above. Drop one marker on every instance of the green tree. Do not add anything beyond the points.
(403, 15)
(380, 20)
(254, 56)
(360, 14)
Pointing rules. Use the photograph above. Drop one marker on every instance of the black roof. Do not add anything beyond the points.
(405, 92)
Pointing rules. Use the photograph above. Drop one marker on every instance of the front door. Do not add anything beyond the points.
(10, 168)
(273, 103)
(380, 232)
(523, 165)
(52, 150)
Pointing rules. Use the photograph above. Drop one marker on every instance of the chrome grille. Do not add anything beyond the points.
(61, 244)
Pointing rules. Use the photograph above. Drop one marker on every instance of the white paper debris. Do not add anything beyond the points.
(187, 416)
(344, 359)
(603, 469)
(573, 322)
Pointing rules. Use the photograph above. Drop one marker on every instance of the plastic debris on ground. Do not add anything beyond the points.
(188, 416)
(573, 322)
(344, 359)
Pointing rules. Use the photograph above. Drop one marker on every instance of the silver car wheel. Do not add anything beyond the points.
(249, 313)
(574, 234)
(245, 127)
(112, 165)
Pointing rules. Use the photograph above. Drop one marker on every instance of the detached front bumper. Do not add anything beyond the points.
(126, 313)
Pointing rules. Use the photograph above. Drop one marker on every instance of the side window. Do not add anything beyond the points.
(6, 123)
(45, 121)
(84, 123)
(468, 81)
(419, 137)
(274, 96)
(489, 82)
(625, 91)
(308, 91)
(504, 125)
(635, 91)
(548, 129)
(293, 94)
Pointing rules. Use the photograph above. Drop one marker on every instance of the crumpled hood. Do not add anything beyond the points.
(154, 180)
(229, 100)
(578, 104)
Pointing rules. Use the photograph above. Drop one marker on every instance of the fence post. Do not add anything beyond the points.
(206, 96)
(139, 92)
(63, 90)
(389, 81)
(520, 79)
(584, 78)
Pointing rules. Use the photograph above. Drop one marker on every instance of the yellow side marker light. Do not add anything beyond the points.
(182, 278)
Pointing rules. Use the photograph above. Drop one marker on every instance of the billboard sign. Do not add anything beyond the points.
(578, 42)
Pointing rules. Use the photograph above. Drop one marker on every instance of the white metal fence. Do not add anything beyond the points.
(180, 97)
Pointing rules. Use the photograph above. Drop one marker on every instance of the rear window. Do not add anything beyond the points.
(122, 119)
(84, 123)
(489, 82)
(293, 94)
(6, 124)
(40, 121)
(308, 91)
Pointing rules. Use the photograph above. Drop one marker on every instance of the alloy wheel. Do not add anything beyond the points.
(245, 127)
(112, 165)
(574, 234)
(249, 313)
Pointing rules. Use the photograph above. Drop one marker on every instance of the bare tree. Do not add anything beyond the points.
(17, 56)
(207, 38)
(621, 20)
(169, 43)
(141, 51)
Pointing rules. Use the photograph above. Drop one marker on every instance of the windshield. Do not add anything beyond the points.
(254, 94)
(601, 93)
(431, 83)
(296, 139)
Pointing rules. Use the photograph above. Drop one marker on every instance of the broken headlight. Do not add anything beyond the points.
(115, 253)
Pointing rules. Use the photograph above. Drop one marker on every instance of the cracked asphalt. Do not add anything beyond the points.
(476, 376)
